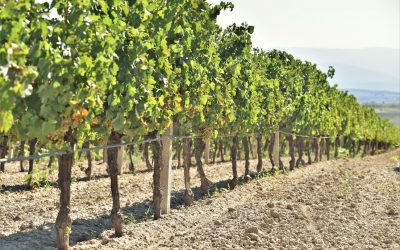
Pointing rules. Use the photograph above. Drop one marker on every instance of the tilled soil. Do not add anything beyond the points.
(338, 204)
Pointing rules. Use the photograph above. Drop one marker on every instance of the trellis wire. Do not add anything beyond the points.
(58, 153)
(305, 136)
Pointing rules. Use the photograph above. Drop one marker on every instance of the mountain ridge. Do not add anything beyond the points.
(372, 68)
(375, 96)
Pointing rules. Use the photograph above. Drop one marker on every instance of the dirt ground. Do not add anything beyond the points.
(338, 204)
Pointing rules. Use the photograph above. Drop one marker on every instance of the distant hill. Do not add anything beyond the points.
(385, 103)
(388, 111)
(369, 68)
(375, 96)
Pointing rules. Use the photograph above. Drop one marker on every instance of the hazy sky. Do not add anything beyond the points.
(318, 23)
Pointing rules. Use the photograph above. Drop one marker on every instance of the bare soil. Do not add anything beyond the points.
(338, 204)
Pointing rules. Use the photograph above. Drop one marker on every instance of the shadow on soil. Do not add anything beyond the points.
(14, 188)
(43, 237)
(54, 184)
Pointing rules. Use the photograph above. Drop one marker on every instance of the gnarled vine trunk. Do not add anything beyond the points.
(328, 149)
(353, 148)
(279, 147)
(234, 147)
(282, 149)
(308, 150)
(369, 147)
(3, 152)
(88, 170)
(131, 151)
(300, 148)
(215, 151)
(112, 160)
(365, 144)
(271, 152)
(316, 149)
(157, 158)
(358, 146)
(32, 150)
(207, 144)
(321, 148)
(186, 165)
(221, 151)
(292, 161)
(374, 147)
(266, 144)
(345, 141)
(337, 144)
(199, 148)
(251, 147)
(259, 153)
(245, 142)
(21, 154)
(63, 220)
(146, 155)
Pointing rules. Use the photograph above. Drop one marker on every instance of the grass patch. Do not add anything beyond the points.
(344, 188)
(130, 219)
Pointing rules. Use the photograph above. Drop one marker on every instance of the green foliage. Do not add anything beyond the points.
(134, 67)
(394, 159)
(344, 188)
(68, 230)
(343, 152)
(39, 177)
(74, 180)
(216, 192)
(149, 213)
(130, 219)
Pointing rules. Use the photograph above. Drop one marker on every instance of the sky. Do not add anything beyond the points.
(360, 38)
(318, 23)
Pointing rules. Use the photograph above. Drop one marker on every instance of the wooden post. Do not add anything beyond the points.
(105, 155)
(207, 151)
(275, 150)
(166, 170)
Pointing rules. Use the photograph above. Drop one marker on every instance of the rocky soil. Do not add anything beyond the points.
(338, 204)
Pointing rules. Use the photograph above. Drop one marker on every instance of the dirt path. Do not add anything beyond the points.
(342, 204)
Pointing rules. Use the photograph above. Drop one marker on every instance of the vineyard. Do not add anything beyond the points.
(156, 84)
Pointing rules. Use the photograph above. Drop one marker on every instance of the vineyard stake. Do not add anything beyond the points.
(166, 170)
(275, 150)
